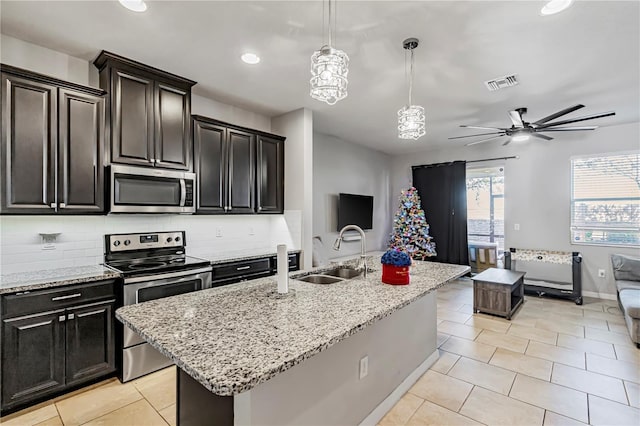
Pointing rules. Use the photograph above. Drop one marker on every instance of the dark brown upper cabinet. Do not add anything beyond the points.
(52, 145)
(239, 170)
(148, 114)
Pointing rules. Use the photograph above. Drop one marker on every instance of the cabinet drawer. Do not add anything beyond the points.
(42, 300)
(293, 260)
(235, 269)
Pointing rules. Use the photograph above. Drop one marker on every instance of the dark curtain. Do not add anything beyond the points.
(443, 193)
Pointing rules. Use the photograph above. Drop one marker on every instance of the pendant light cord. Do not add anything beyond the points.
(411, 79)
(330, 38)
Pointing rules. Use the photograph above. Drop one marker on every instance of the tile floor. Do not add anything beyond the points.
(555, 363)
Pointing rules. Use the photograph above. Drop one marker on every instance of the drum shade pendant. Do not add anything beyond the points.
(411, 119)
(329, 68)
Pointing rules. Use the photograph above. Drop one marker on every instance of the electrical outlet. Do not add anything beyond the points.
(516, 227)
(364, 367)
(601, 273)
(218, 232)
(49, 246)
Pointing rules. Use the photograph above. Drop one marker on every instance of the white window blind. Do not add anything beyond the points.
(605, 200)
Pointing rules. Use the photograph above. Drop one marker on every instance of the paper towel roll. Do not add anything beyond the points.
(283, 269)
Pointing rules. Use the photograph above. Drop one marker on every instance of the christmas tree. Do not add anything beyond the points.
(410, 228)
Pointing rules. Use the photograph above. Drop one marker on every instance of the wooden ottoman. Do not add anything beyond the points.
(498, 291)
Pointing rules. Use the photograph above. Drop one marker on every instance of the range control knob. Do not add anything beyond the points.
(127, 242)
(116, 243)
(169, 239)
(177, 239)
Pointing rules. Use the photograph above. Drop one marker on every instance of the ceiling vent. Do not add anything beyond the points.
(502, 82)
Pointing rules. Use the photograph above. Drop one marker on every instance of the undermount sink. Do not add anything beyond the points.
(320, 279)
(343, 272)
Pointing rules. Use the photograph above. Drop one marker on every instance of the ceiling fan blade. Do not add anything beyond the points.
(507, 142)
(541, 136)
(516, 118)
(478, 134)
(558, 114)
(575, 120)
(484, 140)
(483, 128)
(566, 129)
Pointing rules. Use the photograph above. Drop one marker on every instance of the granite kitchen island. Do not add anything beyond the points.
(249, 356)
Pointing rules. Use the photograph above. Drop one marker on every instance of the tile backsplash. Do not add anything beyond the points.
(81, 239)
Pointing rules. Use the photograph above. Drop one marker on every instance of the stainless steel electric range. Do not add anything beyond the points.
(153, 265)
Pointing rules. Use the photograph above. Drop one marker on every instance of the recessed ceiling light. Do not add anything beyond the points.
(520, 138)
(555, 6)
(134, 5)
(250, 58)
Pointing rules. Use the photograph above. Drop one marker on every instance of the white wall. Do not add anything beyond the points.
(538, 191)
(341, 166)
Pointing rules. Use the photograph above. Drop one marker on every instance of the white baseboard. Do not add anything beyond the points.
(378, 413)
(596, 295)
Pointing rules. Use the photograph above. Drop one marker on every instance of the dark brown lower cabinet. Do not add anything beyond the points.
(60, 346)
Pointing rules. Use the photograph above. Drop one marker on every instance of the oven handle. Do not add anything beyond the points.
(167, 275)
(183, 192)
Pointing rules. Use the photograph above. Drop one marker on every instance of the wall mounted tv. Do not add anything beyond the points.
(355, 210)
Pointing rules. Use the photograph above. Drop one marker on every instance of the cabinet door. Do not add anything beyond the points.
(32, 356)
(89, 342)
(173, 147)
(210, 166)
(132, 140)
(29, 139)
(270, 175)
(80, 166)
(241, 178)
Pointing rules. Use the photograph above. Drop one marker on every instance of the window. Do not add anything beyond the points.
(605, 200)
(485, 205)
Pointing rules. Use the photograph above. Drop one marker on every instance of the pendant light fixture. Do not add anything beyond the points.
(329, 67)
(410, 117)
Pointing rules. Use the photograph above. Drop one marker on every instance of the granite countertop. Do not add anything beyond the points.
(232, 338)
(35, 280)
(225, 257)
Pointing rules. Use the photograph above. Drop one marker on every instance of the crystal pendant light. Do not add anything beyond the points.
(411, 120)
(329, 69)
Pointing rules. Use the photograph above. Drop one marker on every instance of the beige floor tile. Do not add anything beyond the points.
(512, 343)
(537, 334)
(524, 320)
(619, 328)
(553, 419)
(445, 362)
(30, 417)
(586, 322)
(614, 368)
(53, 421)
(593, 304)
(492, 408)
(449, 305)
(488, 376)
(453, 316)
(520, 363)
(169, 414)
(559, 399)
(468, 348)
(586, 345)
(615, 318)
(608, 336)
(626, 353)
(586, 381)
(97, 402)
(441, 338)
(402, 411)
(605, 412)
(139, 413)
(633, 393)
(459, 330)
(430, 414)
(556, 354)
(158, 388)
(560, 327)
(478, 321)
(467, 309)
(442, 390)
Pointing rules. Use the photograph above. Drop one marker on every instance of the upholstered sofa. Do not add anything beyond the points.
(626, 271)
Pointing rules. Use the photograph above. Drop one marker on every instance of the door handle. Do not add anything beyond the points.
(70, 296)
(242, 268)
(183, 192)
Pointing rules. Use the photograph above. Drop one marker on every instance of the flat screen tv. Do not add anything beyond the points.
(355, 210)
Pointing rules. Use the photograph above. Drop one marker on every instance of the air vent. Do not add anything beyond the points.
(502, 82)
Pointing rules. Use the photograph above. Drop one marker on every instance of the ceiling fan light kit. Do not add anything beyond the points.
(329, 69)
(521, 130)
(555, 6)
(411, 118)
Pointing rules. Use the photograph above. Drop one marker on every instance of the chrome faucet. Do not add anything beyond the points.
(362, 263)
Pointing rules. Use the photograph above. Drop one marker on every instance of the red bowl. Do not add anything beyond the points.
(395, 275)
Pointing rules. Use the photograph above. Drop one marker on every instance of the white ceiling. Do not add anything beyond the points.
(587, 54)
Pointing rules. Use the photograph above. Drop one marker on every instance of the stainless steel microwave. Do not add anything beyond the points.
(142, 190)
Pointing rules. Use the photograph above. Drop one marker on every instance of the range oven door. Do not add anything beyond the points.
(144, 289)
(147, 190)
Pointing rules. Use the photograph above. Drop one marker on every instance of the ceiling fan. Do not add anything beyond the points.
(521, 130)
